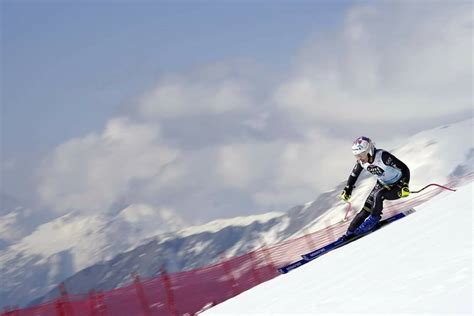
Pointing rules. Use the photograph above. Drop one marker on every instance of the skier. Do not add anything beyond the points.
(393, 177)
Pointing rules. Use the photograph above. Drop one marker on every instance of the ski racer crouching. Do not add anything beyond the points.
(392, 175)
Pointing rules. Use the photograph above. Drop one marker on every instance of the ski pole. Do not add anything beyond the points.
(349, 207)
(433, 184)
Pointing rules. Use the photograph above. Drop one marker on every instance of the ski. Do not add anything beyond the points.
(338, 243)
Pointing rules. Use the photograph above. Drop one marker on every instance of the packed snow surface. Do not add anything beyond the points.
(420, 264)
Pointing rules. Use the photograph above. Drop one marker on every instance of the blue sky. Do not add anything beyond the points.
(69, 66)
(228, 93)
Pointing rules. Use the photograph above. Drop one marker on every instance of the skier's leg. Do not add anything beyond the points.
(366, 210)
(376, 196)
(380, 195)
(358, 219)
(378, 203)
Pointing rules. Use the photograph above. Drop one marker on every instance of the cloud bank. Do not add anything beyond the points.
(390, 61)
(94, 172)
(225, 140)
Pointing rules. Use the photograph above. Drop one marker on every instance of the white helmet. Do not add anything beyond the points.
(363, 145)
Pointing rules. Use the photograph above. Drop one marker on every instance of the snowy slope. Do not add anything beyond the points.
(421, 264)
(59, 249)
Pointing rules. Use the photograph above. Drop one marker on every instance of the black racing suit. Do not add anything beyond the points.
(382, 190)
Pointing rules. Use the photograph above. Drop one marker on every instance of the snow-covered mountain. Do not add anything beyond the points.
(70, 243)
(421, 264)
(84, 250)
(17, 221)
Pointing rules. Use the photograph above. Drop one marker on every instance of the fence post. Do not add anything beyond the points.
(100, 303)
(169, 292)
(230, 276)
(62, 304)
(92, 304)
(59, 308)
(65, 298)
(141, 294)
(253, 265)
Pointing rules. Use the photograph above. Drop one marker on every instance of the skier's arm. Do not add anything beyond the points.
(392, 161)
(353, 177)
(347, 192)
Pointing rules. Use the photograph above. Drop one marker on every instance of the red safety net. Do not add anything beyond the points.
(188, 292)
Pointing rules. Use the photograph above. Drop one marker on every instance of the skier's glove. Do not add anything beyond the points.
(346, 193)
(404, 191)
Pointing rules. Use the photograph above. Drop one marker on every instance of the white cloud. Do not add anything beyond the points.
(235, 165)
(247, 165)
(304, 168)
(214, 89)
(93, 172)
(281, 174)
(393, 60)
